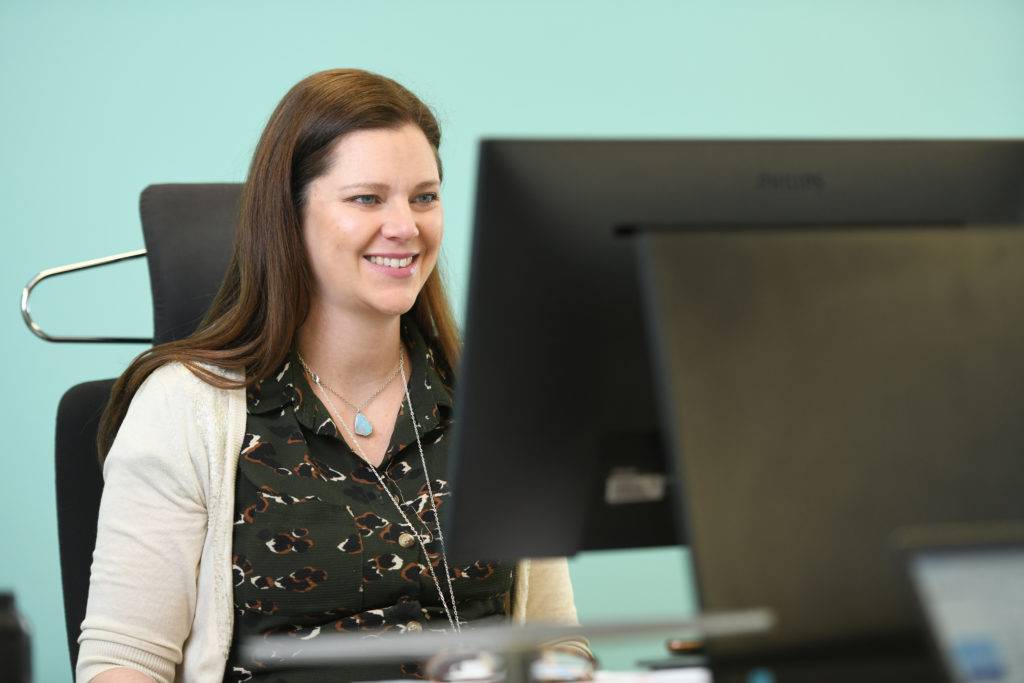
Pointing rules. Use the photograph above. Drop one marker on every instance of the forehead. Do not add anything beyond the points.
(383, 155)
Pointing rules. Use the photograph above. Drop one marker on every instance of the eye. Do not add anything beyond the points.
(365, 199)
(426, 198)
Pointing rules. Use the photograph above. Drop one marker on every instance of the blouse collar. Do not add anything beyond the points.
(429, 388)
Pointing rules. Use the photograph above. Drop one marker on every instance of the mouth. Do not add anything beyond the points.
(392, 261)
(394, 265)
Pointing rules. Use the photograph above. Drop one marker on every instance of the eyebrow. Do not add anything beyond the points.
(384, 187)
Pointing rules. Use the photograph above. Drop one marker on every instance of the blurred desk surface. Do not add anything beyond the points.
(694, 674)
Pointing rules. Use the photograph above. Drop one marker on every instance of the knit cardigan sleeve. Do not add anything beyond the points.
(150, 534)
(543, 593)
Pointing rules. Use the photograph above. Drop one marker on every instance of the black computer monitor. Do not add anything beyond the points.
(825, 387)
(558, 445)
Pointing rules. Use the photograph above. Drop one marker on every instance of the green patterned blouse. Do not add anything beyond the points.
(319, 547)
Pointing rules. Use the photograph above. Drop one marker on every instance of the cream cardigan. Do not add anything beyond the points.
(160, 594)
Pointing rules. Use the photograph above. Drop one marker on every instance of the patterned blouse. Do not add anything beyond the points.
(318, 546)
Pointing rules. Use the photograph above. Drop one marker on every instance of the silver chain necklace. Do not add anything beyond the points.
(453, 621)
(361, 424)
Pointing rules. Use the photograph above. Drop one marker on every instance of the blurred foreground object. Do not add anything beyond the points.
(15, 643)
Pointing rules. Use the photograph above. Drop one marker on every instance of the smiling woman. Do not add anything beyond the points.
(268, 474)
(369, 257)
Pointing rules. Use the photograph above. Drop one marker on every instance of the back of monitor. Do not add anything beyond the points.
(823, 387)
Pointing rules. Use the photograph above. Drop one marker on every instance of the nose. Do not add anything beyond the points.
(400, 223)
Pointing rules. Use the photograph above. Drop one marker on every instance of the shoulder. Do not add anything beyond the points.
(178, 397)
(176, 413)
(175, 378)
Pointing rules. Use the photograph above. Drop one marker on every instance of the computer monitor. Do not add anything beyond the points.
(825, 387)
(558, 445)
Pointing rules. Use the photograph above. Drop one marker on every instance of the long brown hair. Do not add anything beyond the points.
(265, 294)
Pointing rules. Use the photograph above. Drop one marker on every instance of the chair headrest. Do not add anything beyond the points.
(188, 231)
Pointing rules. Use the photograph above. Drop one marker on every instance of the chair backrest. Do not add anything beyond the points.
(188, 231)
(79, 484)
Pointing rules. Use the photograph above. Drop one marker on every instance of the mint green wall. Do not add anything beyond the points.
(99, 99)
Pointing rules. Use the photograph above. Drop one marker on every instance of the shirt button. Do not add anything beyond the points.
(406, 540)
(414, 626)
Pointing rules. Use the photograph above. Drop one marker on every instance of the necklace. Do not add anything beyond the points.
(451, 612)
(361, 424)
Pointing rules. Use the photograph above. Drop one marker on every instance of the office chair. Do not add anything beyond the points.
(188, 230)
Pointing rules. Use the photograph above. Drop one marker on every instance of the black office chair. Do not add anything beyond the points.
(188, 231)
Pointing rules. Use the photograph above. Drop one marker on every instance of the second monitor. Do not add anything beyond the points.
(558, 440)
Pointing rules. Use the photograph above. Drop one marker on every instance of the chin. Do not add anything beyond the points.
(394, 308)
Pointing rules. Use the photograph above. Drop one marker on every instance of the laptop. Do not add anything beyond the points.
(968, 580)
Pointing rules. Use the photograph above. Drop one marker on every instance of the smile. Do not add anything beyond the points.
(391, 262)
(395, 266)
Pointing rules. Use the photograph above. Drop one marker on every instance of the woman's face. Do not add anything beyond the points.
(372, 224)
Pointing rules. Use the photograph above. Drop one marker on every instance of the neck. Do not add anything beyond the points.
(351, 353)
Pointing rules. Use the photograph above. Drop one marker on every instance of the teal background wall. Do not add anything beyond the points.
(100, 99)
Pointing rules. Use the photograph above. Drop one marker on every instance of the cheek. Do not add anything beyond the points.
(325, 252)
(435, 232)
(331, 238)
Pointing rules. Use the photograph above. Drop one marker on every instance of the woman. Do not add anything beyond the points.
(281, 470)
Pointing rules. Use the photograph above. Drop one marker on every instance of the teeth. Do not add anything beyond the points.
(391, 262)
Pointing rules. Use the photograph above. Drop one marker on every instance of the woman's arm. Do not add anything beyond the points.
(122, 675)
(548, 591)
(548, 598)
(152, 524)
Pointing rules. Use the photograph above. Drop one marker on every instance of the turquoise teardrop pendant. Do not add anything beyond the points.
(362, 425)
